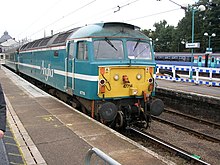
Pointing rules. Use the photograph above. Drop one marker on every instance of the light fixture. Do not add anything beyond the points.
(138, 76)
(116, 77)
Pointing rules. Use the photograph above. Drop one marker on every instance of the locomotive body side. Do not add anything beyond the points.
(47, 66)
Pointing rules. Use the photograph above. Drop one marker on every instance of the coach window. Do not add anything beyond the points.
(82, 51)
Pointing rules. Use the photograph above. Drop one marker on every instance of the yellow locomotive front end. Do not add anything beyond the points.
(125, 81)
(126, 92)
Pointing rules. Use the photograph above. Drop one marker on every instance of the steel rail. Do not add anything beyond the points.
(189, 130)
(167, 145)
(206, 122)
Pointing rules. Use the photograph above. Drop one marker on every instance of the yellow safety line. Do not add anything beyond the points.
(22, 155)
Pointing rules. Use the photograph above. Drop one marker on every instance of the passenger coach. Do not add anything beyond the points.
(210, 60)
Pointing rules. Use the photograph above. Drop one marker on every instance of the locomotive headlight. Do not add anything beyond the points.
(116, 77)
(138, 76)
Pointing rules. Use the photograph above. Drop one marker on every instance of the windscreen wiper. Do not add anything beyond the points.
(110, 43)
(136, 45)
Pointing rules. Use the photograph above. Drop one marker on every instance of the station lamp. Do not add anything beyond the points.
(193, 9)
(213, 35)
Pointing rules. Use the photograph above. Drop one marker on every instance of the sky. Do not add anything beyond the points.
(33, 19)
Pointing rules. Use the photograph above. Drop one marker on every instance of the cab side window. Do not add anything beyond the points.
(71, 50)
(82, 51)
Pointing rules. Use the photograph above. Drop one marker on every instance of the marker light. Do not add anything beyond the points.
(116, 77)
(102, 82)
(150, 80)
(138, 76)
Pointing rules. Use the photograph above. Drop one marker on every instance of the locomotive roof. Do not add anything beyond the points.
(111, 29)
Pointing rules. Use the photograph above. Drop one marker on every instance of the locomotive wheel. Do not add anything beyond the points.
(108, 111)
(119, 120)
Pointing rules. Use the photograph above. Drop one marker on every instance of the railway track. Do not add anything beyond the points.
(169, 147)
(203, 121)
(210, 127)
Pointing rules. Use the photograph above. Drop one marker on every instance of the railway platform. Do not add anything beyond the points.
(47, 131)
(202, 101)
(190, 89)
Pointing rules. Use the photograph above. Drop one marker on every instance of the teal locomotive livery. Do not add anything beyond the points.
(106, 69)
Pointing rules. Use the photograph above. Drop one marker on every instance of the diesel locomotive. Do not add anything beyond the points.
(107, 70)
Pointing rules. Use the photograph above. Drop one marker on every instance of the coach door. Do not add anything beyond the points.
(69, 69)
(199, 61)
(213, 62)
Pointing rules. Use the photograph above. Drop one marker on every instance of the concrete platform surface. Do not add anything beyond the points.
(190, 88)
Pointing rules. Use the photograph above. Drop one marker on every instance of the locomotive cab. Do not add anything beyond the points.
(114, 70)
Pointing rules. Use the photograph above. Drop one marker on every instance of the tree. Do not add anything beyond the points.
(169, 38)
(162, 36)
(206, 21)
(211, 23)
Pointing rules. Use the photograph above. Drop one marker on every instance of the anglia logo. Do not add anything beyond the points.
(46, 71)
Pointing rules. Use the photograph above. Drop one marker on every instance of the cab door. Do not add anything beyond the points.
(207, 61)
(83, 70)
(69, 68)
